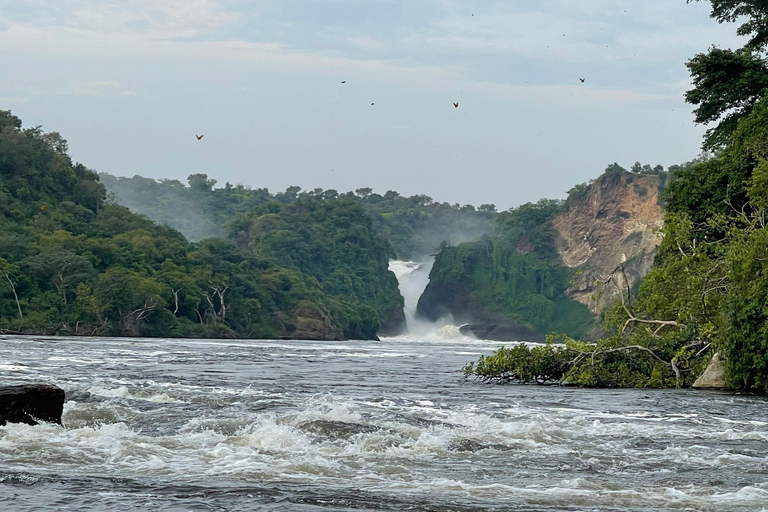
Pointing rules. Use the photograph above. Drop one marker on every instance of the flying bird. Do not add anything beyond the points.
(199, 136)
(455, 104)
(343, 81)
(582, 79)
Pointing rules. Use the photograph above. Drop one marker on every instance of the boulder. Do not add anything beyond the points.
(507, 330)
(475, 316)
(30, 404)
(713, 377)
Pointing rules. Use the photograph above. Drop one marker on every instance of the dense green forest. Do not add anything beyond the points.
(515, 272)
(709, 290)
(414, 225)
(74, 262)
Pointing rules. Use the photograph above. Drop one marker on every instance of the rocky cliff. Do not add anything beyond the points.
(542, 269)
(616, 221)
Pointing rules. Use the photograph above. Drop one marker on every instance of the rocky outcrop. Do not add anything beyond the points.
(476, 318)
(504, 330)
(615, 222)
(713, 377)
(393, 323)
(31, 404)
(311, 324)
(513, 286)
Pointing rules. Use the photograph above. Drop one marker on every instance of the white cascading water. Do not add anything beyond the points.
(413, 277)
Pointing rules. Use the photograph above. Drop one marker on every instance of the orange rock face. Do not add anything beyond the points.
(616, 222)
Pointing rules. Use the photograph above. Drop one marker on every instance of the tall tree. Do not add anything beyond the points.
(727, 83)
(752, 13)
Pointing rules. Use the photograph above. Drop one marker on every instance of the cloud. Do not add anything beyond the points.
(104, 89)
(366, 43)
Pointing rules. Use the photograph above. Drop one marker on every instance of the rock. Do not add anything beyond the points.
(506, 331)
(313, 324)
(393, 323)
(713, 377)
(616, 222)
(30, 404)
(439, 301)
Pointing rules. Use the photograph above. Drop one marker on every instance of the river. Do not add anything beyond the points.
(341, 426)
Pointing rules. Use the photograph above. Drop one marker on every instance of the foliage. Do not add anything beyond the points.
(72, 261)
(710, 288)
(726, 86)
(753, 14)
(331, 240)
(522, 364)
(514, 273)
(707, 294)
(414, 225)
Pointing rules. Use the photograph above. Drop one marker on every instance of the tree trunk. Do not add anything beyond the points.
(15, 296)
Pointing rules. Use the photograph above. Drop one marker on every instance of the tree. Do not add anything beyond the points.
(130, 297)
(364, 192)
(753, 13)
(200, 183)
(64, 269)
(8, 271)
(726, 86)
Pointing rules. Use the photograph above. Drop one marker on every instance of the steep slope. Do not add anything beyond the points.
(615, 222)
(73, 263)
(333, 241)
(545, 268)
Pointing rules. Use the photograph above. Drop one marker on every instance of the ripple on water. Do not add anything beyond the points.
(206, 424)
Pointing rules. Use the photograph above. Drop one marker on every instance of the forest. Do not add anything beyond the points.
(415, 225)
(74, 262)
(708, 292)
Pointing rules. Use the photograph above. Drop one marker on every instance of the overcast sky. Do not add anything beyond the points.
(130, 83)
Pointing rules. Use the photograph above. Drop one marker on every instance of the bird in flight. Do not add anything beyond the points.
(343, 81)
(582, 79)
(455, 104)
(199, 136)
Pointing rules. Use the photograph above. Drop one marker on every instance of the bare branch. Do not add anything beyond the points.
(629, 347)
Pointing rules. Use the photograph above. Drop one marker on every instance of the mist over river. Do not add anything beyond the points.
(341, 426)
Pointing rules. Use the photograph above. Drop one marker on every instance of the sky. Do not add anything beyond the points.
(129, 84)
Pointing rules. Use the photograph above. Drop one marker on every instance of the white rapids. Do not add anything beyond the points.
(413, 278)
(311, 426)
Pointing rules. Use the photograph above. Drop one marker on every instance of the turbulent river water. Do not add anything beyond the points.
(342, 426)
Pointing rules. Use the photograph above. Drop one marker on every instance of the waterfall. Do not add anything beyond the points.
(413, 277)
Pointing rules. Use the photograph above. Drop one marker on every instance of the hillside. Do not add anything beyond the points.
(413, 225)
(73, 262)
(616, 221)
(546, 266)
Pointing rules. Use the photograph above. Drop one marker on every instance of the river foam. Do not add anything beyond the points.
(209, 424)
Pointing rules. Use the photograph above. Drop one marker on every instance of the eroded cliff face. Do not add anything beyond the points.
(616, 222)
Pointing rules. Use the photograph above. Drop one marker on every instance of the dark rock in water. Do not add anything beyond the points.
(479, 320)
(393, 323)
(505, 331)
(31, 404)
(337, 429)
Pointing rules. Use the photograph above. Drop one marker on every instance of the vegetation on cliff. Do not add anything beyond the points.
(514, 273)
(709, 290)
(334, 242)
(74, 262)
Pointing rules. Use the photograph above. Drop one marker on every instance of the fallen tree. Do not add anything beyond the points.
(639, 351)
